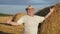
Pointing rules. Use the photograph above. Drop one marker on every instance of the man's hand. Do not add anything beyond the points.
(12, 23)
(9, 21)
(51, 11)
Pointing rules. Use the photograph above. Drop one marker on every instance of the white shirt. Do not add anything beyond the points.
(30, 23)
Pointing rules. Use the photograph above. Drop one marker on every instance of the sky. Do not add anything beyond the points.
(25, 2)
(16, 6)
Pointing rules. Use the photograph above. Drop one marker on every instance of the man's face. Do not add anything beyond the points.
(30, 11)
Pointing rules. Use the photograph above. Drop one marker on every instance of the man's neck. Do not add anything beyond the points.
(31, 15)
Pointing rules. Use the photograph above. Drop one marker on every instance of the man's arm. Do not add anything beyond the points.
(51, 11)
(18, 22)
(12, 23)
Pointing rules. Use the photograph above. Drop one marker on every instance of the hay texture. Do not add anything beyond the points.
(52, 24)
(7, 29)
(17, 17)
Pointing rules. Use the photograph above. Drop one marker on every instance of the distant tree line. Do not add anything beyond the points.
(2, 14)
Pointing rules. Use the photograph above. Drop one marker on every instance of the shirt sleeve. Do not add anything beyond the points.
(21, 20)
(41, 19)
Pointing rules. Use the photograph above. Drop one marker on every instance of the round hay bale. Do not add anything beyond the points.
(52, 24)
(17, 16)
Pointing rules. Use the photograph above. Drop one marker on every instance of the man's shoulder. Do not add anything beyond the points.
(37, 16)
(24, 16)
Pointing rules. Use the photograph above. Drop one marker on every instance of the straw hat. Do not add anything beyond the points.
(29, 7)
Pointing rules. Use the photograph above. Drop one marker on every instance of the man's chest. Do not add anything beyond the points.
(31, 21)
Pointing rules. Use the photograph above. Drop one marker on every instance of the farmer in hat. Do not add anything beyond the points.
(30, 21)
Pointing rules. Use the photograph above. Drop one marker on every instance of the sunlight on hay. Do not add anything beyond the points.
(18, 16)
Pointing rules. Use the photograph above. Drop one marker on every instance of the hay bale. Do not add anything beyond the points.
(52, 24)
(3, 19)
(17, 16)
(12, 29)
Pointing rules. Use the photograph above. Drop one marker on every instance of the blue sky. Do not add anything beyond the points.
(24, 2)
(16, 6)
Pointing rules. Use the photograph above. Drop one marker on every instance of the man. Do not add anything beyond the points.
(30, 21)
